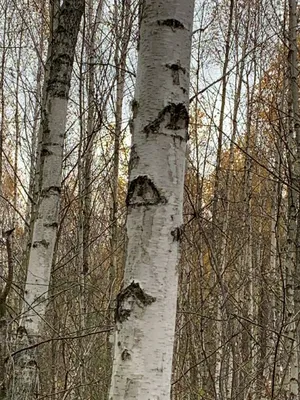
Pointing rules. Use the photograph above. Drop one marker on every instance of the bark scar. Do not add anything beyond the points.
(174, 117)
(51, 190)
(176, 68)
(143, 192)
(125, 355)
(42, 242)
(172, 23)
(132, 294)
(177, 233)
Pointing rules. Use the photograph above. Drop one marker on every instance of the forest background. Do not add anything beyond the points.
(237, 334)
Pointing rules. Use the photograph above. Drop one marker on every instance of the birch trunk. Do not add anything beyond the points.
(292, 372)
(122, 32)
(146, 307)
(24, 383)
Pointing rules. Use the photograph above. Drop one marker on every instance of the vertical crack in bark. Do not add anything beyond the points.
(143, 192)
(173, 117)
(128, 297)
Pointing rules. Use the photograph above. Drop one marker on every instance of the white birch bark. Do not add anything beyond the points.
(146, 307)
(292, 373)
(24, 383)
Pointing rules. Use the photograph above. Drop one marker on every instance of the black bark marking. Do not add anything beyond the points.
(51, 225)
(143, 192)
(134, 158)
(179, 117)
(176, 68)
(21, 331)
(64, 42)
(51, 190)
(172, 23)
(174, 117)
(52, 144)
(31, 363)
(125, 299)
(125, 355)
(134, 108)
(177, 233)
(43, 243)
(45, 152)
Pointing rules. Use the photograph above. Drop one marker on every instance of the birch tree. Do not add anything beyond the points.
(25, 383)
(292, 261)
(146, 307)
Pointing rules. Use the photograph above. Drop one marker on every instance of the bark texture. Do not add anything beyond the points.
(146, 307)
(24, 383)
(291, 385)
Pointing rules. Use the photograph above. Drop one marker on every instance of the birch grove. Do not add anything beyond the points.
(167, 267)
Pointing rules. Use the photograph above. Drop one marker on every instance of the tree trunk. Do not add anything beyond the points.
(146, 307)
(24, 383)
(4, 292)
(291, 378)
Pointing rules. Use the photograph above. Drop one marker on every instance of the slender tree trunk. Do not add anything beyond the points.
(122, 32)
(219, 243)
(292, 268)
(2, 94)
(25, 383)
(38, 134)
(146, 307)
(4, 292)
